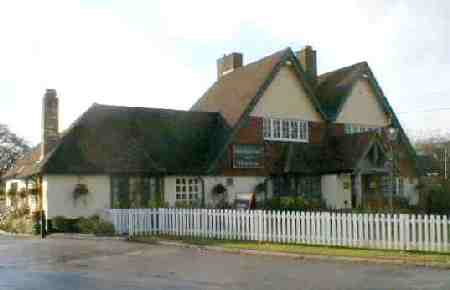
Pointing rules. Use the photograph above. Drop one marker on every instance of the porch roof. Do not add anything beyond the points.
(338, 155)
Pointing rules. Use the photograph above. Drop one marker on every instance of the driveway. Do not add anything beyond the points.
(75, 264)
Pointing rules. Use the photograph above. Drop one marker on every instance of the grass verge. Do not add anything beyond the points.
(411, 257)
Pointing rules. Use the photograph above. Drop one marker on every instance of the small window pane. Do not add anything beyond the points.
(267, 128)
(285, 129)
(276, 129)
(294, 130)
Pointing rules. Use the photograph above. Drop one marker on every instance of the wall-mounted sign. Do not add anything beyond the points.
(248, 156)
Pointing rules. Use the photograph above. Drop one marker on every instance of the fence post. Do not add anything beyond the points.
(432, 232)
(446, 224)
(438, 233)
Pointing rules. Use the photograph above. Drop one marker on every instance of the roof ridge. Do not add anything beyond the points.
(152, 108)
(357, 64)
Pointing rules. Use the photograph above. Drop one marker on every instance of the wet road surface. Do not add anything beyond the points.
(75, 264)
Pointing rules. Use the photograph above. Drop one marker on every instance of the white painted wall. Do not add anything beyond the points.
(362, 107)
(410, 190)
(286, 98)
(336, 189)
(58, 195)
(240, 185)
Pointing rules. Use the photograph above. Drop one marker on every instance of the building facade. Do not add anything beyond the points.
(272, 126)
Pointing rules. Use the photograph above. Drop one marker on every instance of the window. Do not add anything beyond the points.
(357, 128)
(133, 191)
(187, 189)
(267, 128)
(286, 125)
(399, 186)
(248, 156)
(276, 134)
(308, 186)
(14, 187)
(385, 185)
(285, 130)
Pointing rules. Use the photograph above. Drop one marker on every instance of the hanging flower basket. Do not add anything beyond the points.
(23, 193)
(33, 191)
(219, 189)
(80, 190)
(260, 188)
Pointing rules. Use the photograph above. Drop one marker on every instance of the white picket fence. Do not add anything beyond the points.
(382, 231)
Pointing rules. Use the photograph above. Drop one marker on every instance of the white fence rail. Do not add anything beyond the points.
(382, 231)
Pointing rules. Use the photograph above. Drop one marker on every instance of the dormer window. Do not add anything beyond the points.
(285, 130)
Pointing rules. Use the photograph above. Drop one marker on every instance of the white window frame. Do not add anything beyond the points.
(187, 189)
(273, 130)
(350, 128)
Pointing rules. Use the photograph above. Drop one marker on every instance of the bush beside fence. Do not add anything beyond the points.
(381, 231)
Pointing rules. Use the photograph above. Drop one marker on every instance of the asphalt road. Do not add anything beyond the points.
(72, 264)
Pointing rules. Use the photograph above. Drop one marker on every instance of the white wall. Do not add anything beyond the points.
(58, 195)
(240, 185)
(410, 190)
(362, 107)
(286, 98)
(336, 189)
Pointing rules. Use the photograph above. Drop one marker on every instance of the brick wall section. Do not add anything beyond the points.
(316, 132)
(251, 132)
(338, 129)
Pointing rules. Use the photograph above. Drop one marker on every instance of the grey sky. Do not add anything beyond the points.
(162, 54)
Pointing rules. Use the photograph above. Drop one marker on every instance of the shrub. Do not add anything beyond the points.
(438, 199)
(157, 203)
(86, 225)
(61, 224)
(36, 229)
(104, 228)
(294, 203)
(223, 204)
(95, 225)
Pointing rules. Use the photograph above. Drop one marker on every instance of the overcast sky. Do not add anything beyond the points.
(163, 53)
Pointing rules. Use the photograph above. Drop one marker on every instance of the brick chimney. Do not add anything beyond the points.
(308, 60)
(50, 133)
(229, 63)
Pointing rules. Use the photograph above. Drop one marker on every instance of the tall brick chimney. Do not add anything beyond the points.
(308, 60)
(228, 63)
(50, 132)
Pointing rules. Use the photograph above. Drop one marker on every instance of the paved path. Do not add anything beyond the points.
(76, 264)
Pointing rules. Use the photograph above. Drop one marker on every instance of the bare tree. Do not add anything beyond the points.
(12, 147)
(436, 144)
